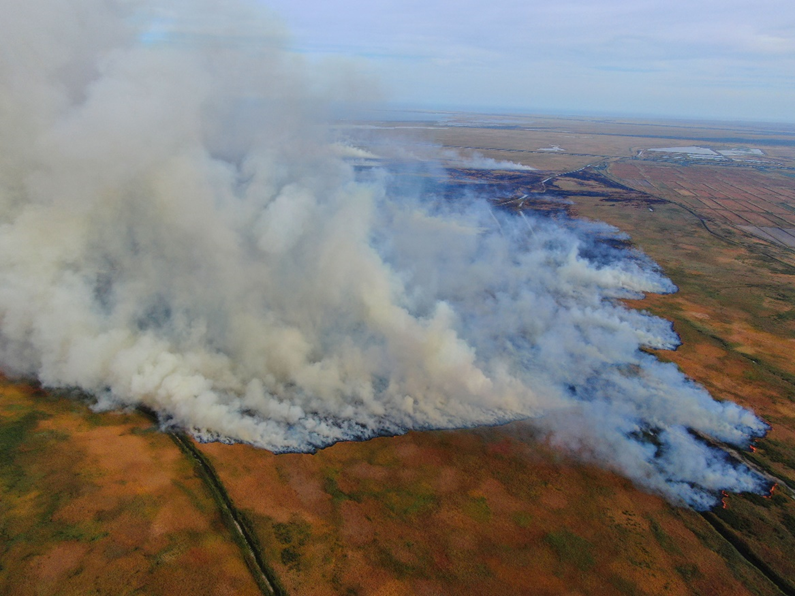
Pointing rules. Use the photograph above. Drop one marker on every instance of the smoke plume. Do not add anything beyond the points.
(179, 231)
(477, 161)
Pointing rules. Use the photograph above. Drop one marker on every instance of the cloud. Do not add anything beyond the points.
(179, 232)
(607, 56)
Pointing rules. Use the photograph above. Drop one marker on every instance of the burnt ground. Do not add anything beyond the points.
(545, 192)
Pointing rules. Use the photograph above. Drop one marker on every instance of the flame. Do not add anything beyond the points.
(723, 501)
(753, 448)
(772, 490)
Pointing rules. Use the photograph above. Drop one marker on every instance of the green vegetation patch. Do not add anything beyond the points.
(663, 539)
(571, 548)
(296, 532)
(202, 504)
(410, 560)
(400, 501)
(400, 569)
(625, 586)
(16, 435)
(383, 457)
(788, 521)
(144, 430)
(522, 519)
(87, 531)
(96, 420)
(734, 520)
(286, 541)
(290, 558)
(784, 316)
(12, 407)
(689, 571)
(332, 488)
(409, 503)
(778, 452)
(478, 509)
(259, 529)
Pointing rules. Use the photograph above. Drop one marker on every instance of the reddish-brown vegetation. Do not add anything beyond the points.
(103, 504)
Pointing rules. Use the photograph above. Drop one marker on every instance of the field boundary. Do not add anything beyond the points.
(745, 551)
(234, 520)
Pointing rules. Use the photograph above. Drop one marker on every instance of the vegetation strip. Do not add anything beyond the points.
(745, 551)
(263, 575)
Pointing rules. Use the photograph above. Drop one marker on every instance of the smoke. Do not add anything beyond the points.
(477, 161)
(179, 231)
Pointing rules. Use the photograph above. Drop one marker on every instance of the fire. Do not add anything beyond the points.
(772, 490)
(753, 448)
(723, 501)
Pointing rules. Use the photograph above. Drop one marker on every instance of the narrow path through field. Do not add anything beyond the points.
(243, 535)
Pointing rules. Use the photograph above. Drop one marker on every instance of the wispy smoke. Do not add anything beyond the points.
(477, 161)
(178, 232)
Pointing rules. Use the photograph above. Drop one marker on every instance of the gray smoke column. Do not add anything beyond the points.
(178, 232)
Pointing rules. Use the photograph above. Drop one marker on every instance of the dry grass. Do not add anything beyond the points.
(466, 512)
(105, 504)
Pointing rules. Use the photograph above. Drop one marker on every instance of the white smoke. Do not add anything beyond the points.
(178, 233)
(352, 152)
(477, 161)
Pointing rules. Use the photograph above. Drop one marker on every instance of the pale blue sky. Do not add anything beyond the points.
(725, 59)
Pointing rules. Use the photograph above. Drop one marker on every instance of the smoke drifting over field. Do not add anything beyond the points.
(476, 161)
(178, 232)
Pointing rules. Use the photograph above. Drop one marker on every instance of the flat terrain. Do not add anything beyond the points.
(759, 202)
(105, 504)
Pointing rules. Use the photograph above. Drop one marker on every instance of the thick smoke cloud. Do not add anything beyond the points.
(178, 232)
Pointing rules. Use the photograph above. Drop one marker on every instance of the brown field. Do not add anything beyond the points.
(470, 512)
(105, 504)
(731, 196)
(736, 319)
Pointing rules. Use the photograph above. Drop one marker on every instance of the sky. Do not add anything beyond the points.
(720, 59)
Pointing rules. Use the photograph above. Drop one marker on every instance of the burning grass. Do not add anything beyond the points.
(734, 337)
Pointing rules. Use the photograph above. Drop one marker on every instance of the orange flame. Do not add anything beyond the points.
(772, 490)
(723, 500)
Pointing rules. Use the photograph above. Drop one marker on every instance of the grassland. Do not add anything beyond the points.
(470, 512)
(106, 504)
(103, 504)
(732, 313)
